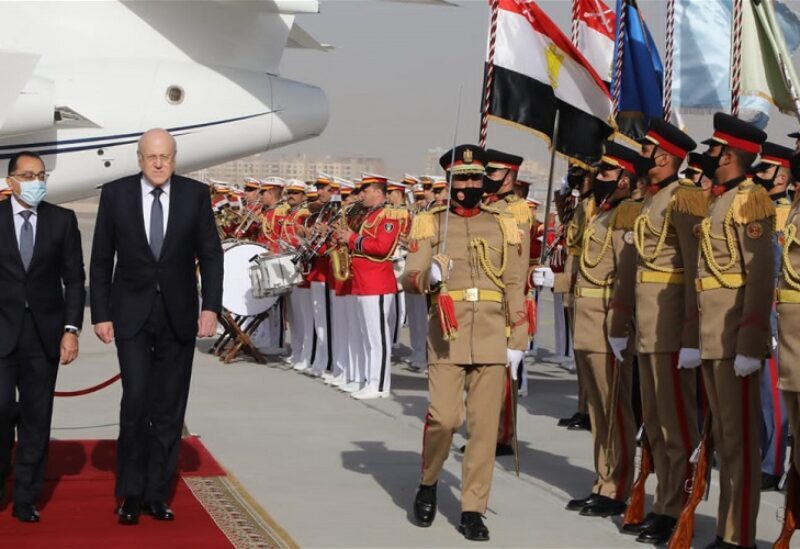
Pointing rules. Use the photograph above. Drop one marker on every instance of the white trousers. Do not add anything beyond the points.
(374, 313)
(356, 370)
(417, 311)
(563, 345)
(339, 324)
(301, 322)
(397, 316)
(323, 355)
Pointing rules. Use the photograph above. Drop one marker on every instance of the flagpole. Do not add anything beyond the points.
(670, 39)
(549, 198)
(487, 92)
(736, 57)
(617, 83)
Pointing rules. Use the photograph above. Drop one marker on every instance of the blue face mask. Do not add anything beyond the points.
(32, 192)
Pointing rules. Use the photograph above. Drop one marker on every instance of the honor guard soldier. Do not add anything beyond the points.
(476, 303)
(694, 172)
(774, 174)
(735, 294)
(604, 300)
(501, 176)
(371, 248)
(666, 320)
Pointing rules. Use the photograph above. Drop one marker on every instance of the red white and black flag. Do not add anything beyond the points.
(596, 27)
(538, 71)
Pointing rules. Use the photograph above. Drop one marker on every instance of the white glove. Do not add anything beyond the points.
(543, 277)
(689, 358)
(774, 343)
(746, 365)
(514, 357)
(618, 345)
(435, 273)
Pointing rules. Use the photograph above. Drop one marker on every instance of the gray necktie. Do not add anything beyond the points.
(156, 223)
(26, 238)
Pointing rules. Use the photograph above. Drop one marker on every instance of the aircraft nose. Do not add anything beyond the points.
(302, 111)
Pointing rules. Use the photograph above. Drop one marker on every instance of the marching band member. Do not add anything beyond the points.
(250, 224)
(397, 199)
(374, 283)
(417, 304)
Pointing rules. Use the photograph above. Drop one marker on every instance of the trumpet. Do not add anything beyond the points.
(310, 248)
(248, 218)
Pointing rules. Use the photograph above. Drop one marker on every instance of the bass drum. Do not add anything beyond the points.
(237, 294)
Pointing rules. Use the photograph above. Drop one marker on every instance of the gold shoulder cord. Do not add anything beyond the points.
(790, 275)
(643, 224)
(706, 236)
(605, 245)
(480, 251)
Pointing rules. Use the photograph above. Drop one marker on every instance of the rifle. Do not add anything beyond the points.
(791, 510)
(634, 514)
(701, 457)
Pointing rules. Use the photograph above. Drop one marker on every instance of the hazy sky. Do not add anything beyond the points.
(393, 80)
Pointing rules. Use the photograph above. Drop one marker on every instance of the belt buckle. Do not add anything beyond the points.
(471, 294)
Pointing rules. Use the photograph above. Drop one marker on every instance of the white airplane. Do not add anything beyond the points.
(83, 80)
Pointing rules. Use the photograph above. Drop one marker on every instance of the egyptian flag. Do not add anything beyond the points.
(596, 24)
(538, 71)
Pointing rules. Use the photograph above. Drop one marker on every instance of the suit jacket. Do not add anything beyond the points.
(124, 293)
(53, 286)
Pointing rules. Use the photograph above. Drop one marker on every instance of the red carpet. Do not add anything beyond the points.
(78, 503)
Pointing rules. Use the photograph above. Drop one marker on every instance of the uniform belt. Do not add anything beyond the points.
(598, 293)
(475, 294)
(653, 277)
(788, 296)
(712, 283)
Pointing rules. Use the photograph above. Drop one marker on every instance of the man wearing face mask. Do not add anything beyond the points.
(774, 174)
(735, 294)
(42, 297)
(604, 300)
(479, 300)
(666, 320)
(498, 186)
(694, 172)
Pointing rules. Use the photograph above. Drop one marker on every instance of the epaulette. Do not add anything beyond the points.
(396, 212)
(751, 203)
(423, 225)
(590, 209)
(520, 210)
(782, 210)
(690, 199)
(508, 224)
(282, 209)
(626, 214)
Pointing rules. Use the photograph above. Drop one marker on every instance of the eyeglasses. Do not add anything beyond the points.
(30, 176)
(152, 158)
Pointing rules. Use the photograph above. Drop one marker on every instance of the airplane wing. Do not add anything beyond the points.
(299, 38)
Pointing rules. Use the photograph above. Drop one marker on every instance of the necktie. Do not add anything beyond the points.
(156, 223)
(26, 239)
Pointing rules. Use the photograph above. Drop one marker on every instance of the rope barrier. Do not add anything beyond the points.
(89, 390)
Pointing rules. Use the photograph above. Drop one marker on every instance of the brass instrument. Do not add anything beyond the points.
(247, 218)
(341, 262)
(311, 246)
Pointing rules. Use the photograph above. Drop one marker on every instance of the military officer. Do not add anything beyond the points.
(735, 291)
(603, 309)
(666, 320)
(476, 299)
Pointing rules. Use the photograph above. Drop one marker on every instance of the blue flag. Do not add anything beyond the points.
(642, 80)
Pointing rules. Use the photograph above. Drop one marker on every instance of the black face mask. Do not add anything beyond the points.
(710, 164)
(643, 164)
(574, 179)
(601, 190)
(766, 183)
(790, 192)
(472, 197)
(794, 166)
(490, 186)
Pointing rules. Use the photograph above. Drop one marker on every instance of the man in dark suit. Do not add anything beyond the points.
(158, 225)
(42, 296)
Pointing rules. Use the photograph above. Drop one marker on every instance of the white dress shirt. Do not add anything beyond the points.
(17, 209)
(147, 204)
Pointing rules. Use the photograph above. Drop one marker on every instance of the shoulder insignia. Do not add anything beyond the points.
(282, 209)
(690, 199)
(520, 210)
(423, 226)
(626, 214)
(396, 212)
(754, 230)
(492, 209)
(510, 229)
(628, 237)
(437, 209)
(751, 203)
(782, 215)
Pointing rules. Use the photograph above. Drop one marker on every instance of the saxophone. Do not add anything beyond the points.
(341, 263)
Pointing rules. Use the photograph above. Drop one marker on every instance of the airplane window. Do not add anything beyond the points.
(175, 95)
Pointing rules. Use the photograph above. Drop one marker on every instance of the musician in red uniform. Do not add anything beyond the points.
(374, 282)
(397, 199)
(273, 215)
(250, 224)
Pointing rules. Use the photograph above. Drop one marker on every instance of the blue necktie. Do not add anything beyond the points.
(26, 239)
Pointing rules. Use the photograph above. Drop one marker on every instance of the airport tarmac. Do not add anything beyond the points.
(335, 472)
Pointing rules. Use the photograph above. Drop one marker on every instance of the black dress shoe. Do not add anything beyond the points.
(129, 511)
(769, 482)
(159, 510)
(659, 532)
(637, 528)
(472, 527)
(583, 423)
(25, 512)
(580, 503)
(504, 450)
(565, 421)
(603, 507)
(425, 505)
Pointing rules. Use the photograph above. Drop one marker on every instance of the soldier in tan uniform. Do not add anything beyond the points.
(668, 344)
(499, 183)
(476, 301)
(604, 300)
(735, 292)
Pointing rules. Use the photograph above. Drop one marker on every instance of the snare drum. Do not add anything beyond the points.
(237, 294)
(273, 275)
